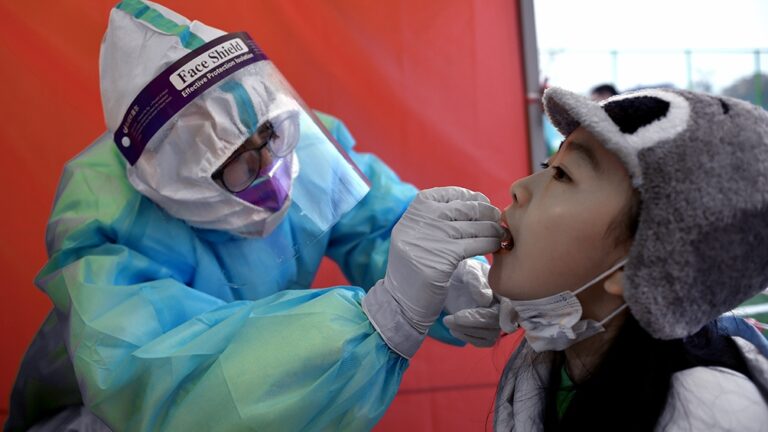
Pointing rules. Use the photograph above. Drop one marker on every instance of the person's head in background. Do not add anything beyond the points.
(602, 91)
(674, 183)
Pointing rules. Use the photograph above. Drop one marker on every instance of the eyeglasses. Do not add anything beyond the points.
(245, 165)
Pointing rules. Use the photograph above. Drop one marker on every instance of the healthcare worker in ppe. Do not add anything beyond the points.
(181, 244)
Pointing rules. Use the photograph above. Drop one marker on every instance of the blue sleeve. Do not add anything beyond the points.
(152, 350)
(732, 325)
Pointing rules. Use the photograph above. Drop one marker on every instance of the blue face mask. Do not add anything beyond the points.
(554, 323)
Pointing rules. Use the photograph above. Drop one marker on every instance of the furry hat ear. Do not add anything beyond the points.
(700, 164)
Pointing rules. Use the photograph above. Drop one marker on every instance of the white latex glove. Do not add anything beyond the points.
(473, 311)
(441, 227)
(478, 326)
(507, 316)
(481, 326)
(468, 287)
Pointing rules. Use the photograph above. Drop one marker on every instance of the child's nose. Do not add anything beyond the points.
(520, 192)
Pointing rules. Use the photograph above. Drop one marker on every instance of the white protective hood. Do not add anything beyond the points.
(176, 125)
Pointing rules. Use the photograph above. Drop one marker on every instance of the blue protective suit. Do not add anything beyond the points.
(168, 327)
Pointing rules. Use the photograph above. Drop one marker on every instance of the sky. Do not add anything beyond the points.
(576, 38)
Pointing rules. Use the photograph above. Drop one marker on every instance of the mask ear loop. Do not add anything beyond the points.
(622, 307)
(613, 314)
(615, 267)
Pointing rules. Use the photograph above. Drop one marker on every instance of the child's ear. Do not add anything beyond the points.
(615, 283)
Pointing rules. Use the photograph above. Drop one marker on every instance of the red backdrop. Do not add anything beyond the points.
(434, 88)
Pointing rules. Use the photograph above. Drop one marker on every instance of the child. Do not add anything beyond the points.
(649, 223)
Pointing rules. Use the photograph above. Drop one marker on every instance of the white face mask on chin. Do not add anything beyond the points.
(554, 323)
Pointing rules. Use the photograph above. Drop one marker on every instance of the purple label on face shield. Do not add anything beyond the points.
(178, 85)
(271, 192)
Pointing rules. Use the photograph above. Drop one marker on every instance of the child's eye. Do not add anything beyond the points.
(559, 174)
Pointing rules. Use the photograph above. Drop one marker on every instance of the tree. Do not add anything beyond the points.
(752, 88)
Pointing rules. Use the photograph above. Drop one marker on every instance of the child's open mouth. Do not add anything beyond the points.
(507, 241)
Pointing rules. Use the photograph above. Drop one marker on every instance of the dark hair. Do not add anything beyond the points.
(629, 389)
(624, 226)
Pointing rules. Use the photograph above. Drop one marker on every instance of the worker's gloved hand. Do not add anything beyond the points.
(481, 326)
(441, 228)
(478, 326)
(473, 310)
(468, 287)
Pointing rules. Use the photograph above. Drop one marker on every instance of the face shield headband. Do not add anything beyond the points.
(178, 85)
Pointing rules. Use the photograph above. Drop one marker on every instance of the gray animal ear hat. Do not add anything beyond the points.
(700, 164)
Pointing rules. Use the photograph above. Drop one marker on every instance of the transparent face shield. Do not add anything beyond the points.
(237, 150)
(259, 171)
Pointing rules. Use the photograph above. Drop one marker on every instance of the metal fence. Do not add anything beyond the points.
(711, 70)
